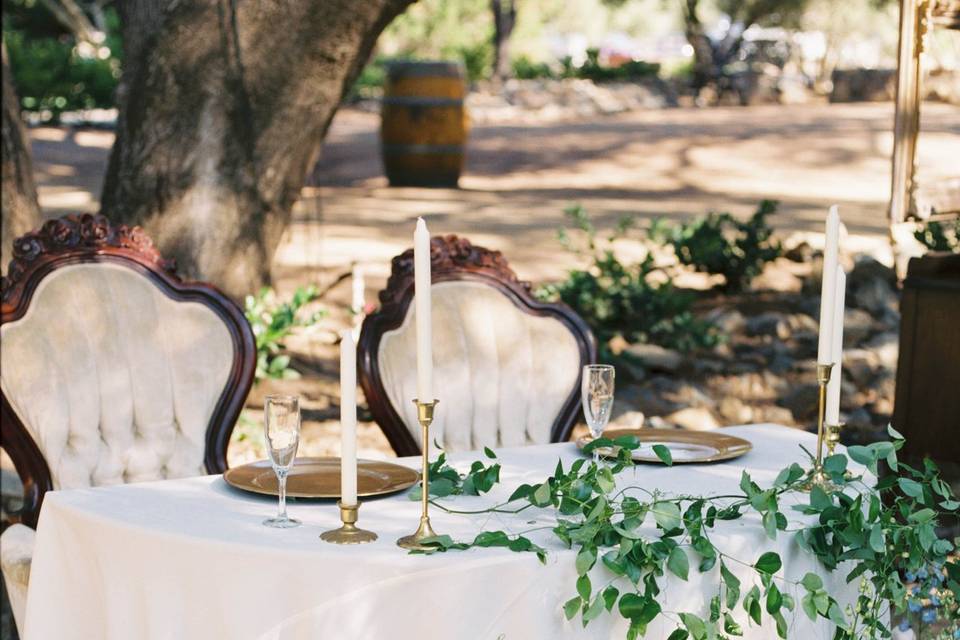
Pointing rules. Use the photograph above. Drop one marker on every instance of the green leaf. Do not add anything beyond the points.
(679, 634)
(594, 610)
(631, 605)
(861, 454)
(806, 602)
(733, 585)
(922, 516)
(836, 615)
(610, 597)
(541, 496)
(667, 515)
(664, 454)
(586, 558)
(489, 453)
(731, 626)
(678, 563)
(896, 435)
(774, 599)
(751, 604)
(768, 563)
(835, 464)
(910, 487)
(812, 582)
(770, 524)
(819, 499)
(781, 624)
(876, 539)
(695, 625)
(583, 587)
(571, 607)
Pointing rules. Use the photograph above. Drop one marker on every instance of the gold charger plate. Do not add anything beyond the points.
(686, 447)
(320, 478)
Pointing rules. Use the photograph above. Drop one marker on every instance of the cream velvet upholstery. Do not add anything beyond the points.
(502, 375)
(16, 552)
(114, 381)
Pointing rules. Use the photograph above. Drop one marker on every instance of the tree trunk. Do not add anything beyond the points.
(20, 211)
(223, 106)
(704, 65)
(504, 20)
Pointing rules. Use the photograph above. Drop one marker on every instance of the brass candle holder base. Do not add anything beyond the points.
(349, 533)
(415, 540)
(817, 477)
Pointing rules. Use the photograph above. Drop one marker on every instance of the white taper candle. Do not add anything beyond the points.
(358, 299)
(828, 289)
(348, 419)
(836, 352)
(422, 279)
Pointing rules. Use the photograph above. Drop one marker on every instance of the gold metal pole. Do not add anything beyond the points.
(817, 476)
(415, 540)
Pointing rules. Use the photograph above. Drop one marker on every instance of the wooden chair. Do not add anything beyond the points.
(507, 366)
(114, 370)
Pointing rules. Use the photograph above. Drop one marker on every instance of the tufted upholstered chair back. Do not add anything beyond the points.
(114, 370)
(506, 366)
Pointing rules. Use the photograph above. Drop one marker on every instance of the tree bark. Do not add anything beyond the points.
(223, 106)
(20, 210)
(703, 60)
(504, 20)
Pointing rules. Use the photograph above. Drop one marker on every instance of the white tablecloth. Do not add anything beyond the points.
(190, 559)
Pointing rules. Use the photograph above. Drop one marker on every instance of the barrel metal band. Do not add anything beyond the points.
(422, 101)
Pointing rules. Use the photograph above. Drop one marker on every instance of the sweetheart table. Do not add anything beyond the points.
(190, 559)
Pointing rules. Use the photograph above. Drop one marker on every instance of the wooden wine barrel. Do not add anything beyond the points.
(423, 130)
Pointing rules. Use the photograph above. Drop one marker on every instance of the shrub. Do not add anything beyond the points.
(272, 321)
(618, 299)
(940, 236)
(51, 71)
(631, 70)
(525, 69)
(718, 243)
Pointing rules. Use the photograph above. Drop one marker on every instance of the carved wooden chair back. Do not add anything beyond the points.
(114, 370)
(506, 366)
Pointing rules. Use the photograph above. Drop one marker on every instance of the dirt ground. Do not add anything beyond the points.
(676, 163)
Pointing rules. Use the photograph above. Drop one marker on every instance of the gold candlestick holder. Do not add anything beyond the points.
(349, 533)
(415, 540)
(817, 477)
(832, 436)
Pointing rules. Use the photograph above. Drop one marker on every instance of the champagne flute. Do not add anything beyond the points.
(596, 390)
(281, 428)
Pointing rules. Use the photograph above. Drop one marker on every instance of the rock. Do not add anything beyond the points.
(886, 346)
(774, 415)
(857, 326)
(867, 268)
(694, 419)
(782, 326)
(705, 366)
(859, 417)
(656, 422)
(876, 296)
(860, 365)
(629, 420)
(781, 363)
(661, 396)
(771, 323)
(734, 411)
(728, 321)
(802, 401)
(801, 252)
(655, 357)
(777, 276)
(863, 85)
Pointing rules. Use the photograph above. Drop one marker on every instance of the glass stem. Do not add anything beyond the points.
(282, 480)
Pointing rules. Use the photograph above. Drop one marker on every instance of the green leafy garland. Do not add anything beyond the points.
(882, 530)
